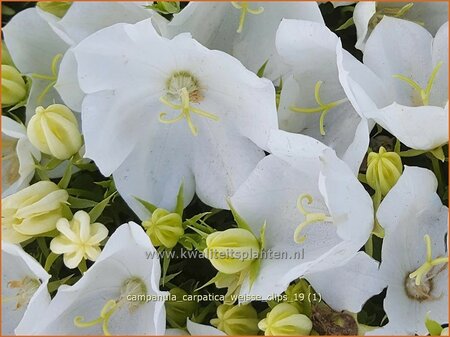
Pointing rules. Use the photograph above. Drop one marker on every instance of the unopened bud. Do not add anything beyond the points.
(32, 211)
(236, 320)
(164, 228)
(14, 89)
(232, 250)
(383, 170)
(54, 131)
(285, 320)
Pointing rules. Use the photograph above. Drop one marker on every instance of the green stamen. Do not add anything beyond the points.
(396, 12)
(424, 93)
(52, 78)
(186, 110)
(425, 268)
(310, 217)
(132, 286)
(243, 6)
(105, 314)
(322, 107)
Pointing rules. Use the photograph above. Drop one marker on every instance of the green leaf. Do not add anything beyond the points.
(52, 164)
(149, 206)
(165, 7)
(82, 266)
(79, 203)
(43, 176)
(262, 238)
(65, 180)
(411, 153)
(433, 327)
(346, 24)
(254, 271)
(438, 153)
(180, 201)
(169, 278)
(54, 285)
(362, 178)
(193, 221)
(78, 192)
(6, 10)
(261, 70)
(165, 265)
(43, 246)
(239, 220)
(51, 258)
(397, 146)
(100, 207)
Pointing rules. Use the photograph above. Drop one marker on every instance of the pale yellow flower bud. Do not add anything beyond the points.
(14, 89)
(236, 320)
(444, 332)
(383, 170)
(6, 56)
(32, 211)
(164, 228)
(79, 239)
(285, 320)
(57, 8)
(54, 131)
(232, 250)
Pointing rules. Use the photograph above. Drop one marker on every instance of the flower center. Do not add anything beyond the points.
(425, 271)
(133, 287)
(10, 162)
(310, 217)
(423, 93)
(322, 107)
(52, 78)
(419, 292)
(243, 6)
(182, 90)
(26, 288)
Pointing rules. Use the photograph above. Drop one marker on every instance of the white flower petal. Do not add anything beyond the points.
(312, 51)
(215, 24)
(292, 170)
(196, 329)
(222, 160)
(348, 202)
(359, 277)
(105, 65)
(431, 14)
(407, 213)
(142, 146)
(156, 168)
(109, 140)
(365, 90)
(85, 18)
(439, 92)
(67, 84)
(362, 14)
(16, 265)
(256, 44)
(125, 255)
(421, 128)
(12, 128)
(33, 48)
(399, 47)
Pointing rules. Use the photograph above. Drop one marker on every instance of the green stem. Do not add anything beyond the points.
(437, 171)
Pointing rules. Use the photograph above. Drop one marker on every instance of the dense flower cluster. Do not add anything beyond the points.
(303, 173)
